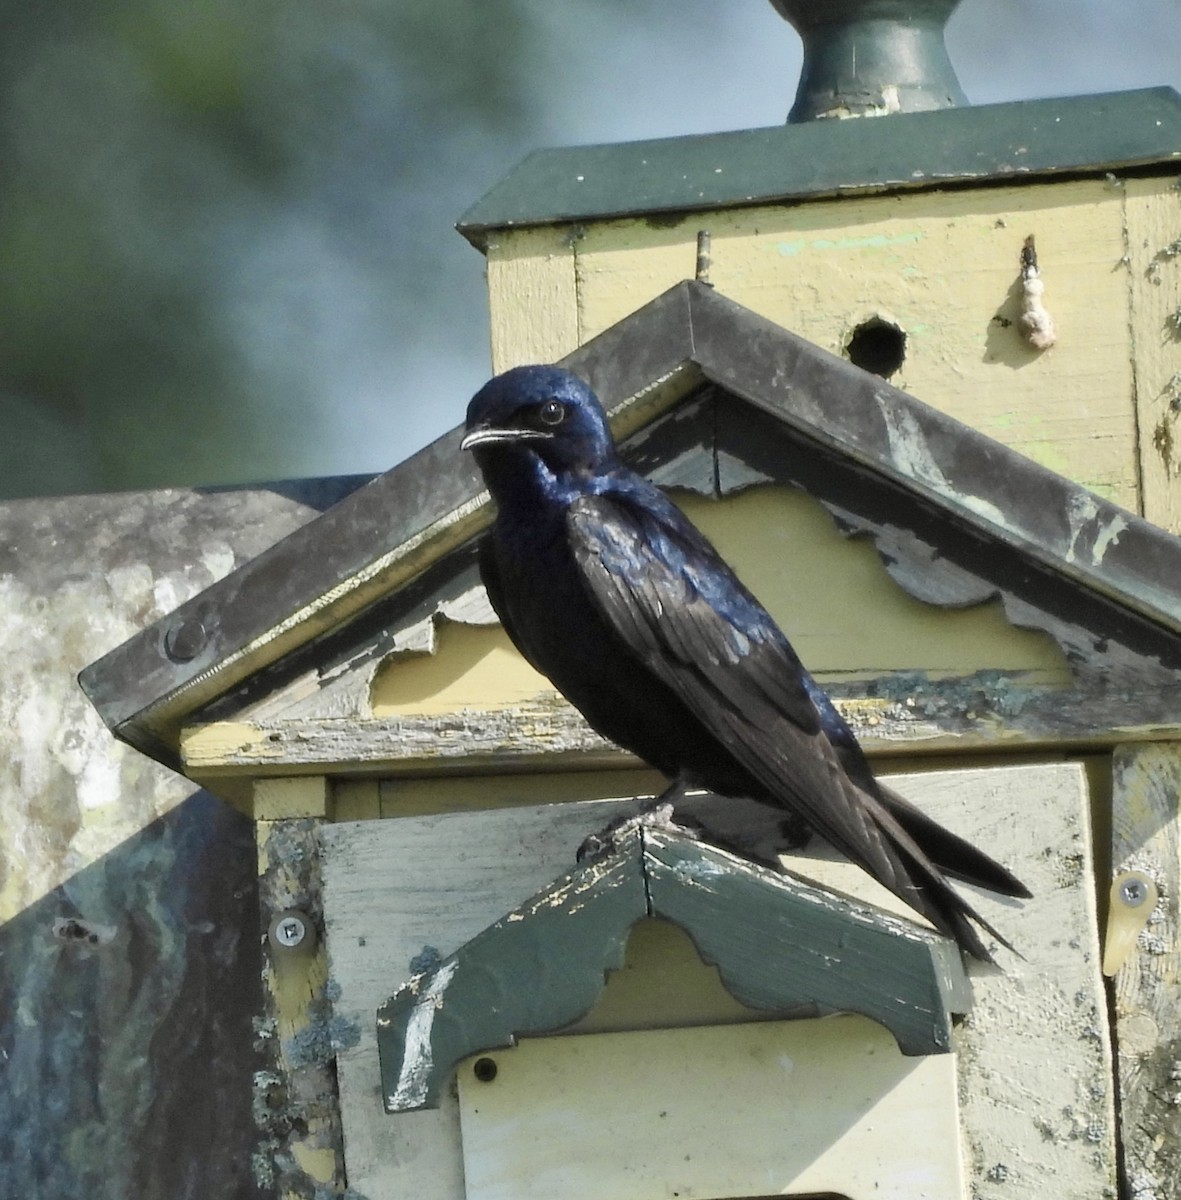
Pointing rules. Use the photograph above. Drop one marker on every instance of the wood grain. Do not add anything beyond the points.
(1146, 784)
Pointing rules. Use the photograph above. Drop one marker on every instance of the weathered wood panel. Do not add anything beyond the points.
(126, 1003)
(1146, 790)
(1034, 1056)
(300, 1153)
(535, 267)
(903, 714)
(1154, 260)
(388, 917)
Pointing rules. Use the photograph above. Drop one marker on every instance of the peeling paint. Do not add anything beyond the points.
(1162, 442)
(414, 1077)
(1086, 539)
(912, 455)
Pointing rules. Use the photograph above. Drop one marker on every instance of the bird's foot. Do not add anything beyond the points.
(797, 833)
(655, 815)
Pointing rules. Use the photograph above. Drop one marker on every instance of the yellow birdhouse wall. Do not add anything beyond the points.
(944, 266)
(788, 550)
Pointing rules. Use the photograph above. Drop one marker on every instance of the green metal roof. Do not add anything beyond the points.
(993, 142)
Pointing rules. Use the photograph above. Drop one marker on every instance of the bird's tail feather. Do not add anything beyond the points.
(950, 853)
(937, 900)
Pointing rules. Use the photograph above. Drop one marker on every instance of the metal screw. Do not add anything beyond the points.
(185, 640)
(485, 1069)
(292, 930)
(1133, 892)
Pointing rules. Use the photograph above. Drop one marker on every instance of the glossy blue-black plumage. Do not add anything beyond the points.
(609, 590)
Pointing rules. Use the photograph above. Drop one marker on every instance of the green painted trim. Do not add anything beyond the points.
(985, 143)
(780, 945)
(537, 969)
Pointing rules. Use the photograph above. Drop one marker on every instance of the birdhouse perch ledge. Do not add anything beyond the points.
(780, 945)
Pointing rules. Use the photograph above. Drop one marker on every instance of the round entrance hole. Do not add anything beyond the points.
(877, 346)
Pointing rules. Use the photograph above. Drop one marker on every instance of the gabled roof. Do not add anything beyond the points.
(780, 945)
(956, 516)
(1018, 140)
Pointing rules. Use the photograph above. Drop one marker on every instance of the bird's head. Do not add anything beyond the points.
(543, 414)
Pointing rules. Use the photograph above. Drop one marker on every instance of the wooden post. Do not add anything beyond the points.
(296, 1102)
(1146, 784)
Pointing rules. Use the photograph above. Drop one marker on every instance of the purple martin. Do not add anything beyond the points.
(607, 588)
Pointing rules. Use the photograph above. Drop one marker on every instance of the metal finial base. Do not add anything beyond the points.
(872, 57)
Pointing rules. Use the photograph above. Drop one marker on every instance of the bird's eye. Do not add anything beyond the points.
(552, 412)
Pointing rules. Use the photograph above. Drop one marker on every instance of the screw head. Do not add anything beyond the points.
(1133, 891)
(185, 639)
(292, 930)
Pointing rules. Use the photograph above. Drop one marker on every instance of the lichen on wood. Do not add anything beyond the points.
(1146, 782)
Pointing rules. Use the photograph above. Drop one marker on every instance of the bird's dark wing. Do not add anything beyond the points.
(682, 612)
(490, 577)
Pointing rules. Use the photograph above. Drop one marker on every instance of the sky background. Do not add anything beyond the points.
(226, 230)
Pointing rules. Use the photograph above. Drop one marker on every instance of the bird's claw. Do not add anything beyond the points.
(605, 841)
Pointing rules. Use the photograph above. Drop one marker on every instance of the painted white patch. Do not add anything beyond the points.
(99, 780)
(908, 446)
(909, 449)
(417, 1059)
(1107, 538)
(1081, 510)
(986, 509)
(1081, 514)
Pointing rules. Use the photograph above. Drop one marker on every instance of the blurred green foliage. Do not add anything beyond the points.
(208, 209)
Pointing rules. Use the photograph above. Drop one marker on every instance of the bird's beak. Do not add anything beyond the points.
(490, 434)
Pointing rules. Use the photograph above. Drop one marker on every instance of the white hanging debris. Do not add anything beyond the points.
(1037, 326)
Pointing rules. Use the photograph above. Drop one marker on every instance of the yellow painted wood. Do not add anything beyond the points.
(843, 613)
(533, 271)
(294, 984)
(1146, 839)
(356, 799)
(662, 983)
(830, 594)
(205, 748)
(1154, 248)
(783, 1107)
(945, 267)
(478, 666)
(291, 796)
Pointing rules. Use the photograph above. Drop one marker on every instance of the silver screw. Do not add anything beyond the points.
(290, 930)
(1133, 892)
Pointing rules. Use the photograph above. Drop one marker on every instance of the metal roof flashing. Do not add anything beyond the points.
(984, 144)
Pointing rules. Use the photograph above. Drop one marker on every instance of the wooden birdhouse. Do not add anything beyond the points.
(916, 378)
